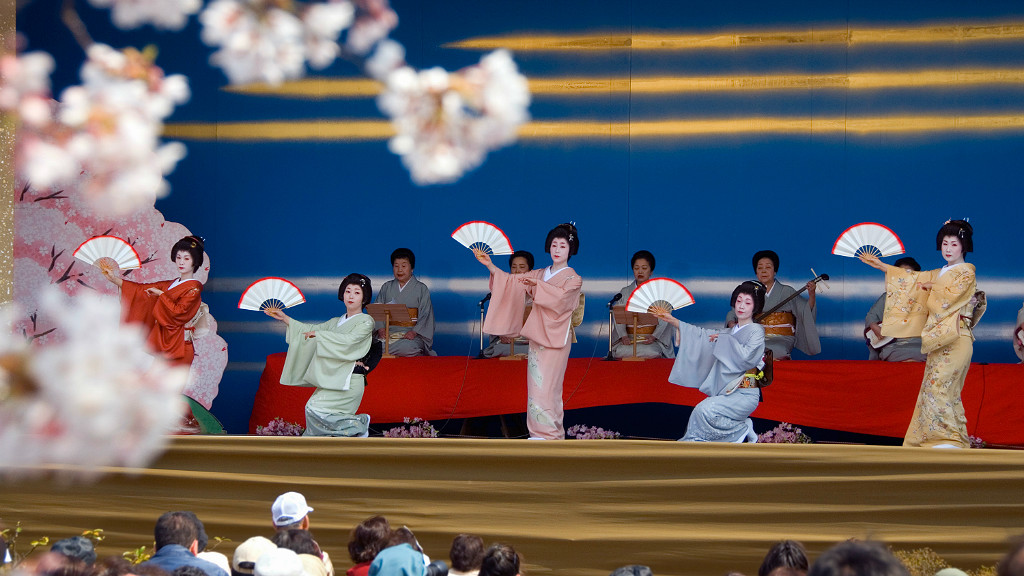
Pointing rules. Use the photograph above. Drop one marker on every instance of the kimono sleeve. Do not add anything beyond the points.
(425, 314)
(508, 304)
(695, 357)
(136, 305)
(174, 312)
(558, 299)
(905, 313)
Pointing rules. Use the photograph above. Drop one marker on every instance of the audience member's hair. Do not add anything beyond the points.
(858, 558)
(368, 538)
(297, 540)
(632, 570)
(77, 548)
(112, 566)
(785, 554)
(1013, 563)
(181, 528)
(500, 560)
(404, 535)
(467, 552)
(188, 571)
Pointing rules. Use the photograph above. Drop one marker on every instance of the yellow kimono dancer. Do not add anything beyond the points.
(327, 356)
(940, 306)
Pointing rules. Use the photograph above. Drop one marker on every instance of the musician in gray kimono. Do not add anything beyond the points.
(519, 262)
(415, 337)
(723, 364)
(792, 325)
(651, 341)
(898, 349)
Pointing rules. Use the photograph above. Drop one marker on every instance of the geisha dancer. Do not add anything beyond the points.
(169, 311)
(722, 363)
(167, 306)
(556, 293)
(939, 306)
(326, 356)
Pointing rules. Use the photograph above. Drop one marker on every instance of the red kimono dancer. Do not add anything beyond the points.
(164, 316)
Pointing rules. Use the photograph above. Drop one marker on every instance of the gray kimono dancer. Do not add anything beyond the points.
(716, 368)
(900, 349)
(416, 295)
(660, 348)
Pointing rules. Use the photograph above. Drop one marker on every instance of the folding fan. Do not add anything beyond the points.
(270, 293)
(483, 237)
(867, 238)
(659, 295)
(110, 253)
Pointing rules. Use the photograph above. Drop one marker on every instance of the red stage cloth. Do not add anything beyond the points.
(854, 396)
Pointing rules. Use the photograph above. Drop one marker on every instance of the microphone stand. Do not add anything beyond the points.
(611, 325)
(482, 302)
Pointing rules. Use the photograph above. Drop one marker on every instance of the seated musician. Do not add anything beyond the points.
(519, 262)
(1018, 335)
(792, 325)
(415, 337)
(652, 341)
(898, 349)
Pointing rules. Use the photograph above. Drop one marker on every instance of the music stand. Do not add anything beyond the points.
(386, 313)
(635, 319)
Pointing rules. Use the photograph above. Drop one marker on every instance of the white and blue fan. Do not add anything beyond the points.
(659, 296)
(867, 238)
(483, 237)
(270, 293)
(106, 251)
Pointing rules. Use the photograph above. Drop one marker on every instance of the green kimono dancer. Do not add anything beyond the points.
(326, 360)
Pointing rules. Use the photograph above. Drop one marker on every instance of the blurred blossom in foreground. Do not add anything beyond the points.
(374, 21)
(108, 127)
(166, 14)
(94, 399)
(446, 123)
(267, 41)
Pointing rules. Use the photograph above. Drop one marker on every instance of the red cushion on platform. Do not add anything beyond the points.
(853, 396)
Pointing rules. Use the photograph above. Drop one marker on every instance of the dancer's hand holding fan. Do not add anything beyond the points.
(484, 239)
(659, 296)
(110, 254)
(868, 242)
(271, 296)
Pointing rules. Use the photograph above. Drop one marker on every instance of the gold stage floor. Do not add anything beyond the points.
(571, 508)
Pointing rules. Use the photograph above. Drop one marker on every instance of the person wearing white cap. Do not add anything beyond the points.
(291, 511)
(248, 552)
(279, 562)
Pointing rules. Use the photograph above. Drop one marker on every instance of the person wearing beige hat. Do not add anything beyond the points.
(247, 553)
(279, 562)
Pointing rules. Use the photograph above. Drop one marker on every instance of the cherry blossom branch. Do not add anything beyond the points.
(73, 21)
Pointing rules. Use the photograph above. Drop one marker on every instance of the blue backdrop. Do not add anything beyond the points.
(721, 129)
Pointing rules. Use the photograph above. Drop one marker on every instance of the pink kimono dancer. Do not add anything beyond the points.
(548, 331)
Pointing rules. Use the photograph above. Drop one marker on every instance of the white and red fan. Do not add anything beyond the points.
(483, 237)
(659, 295)
(867, 238)
(110, 253)
(271, 292)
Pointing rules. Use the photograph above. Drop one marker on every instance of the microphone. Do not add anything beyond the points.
(615, 299)
(485, 298)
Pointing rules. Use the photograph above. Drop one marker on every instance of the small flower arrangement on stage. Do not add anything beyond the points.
(413, 428)
(976, 442)
(784, 433)
(584, 432)
(280, 427)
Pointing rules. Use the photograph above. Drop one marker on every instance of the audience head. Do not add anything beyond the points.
(77, 548)
(297, 540)
(248, 552)
(400, 560)
(279, 562)
(520, 261)
(146, 569)
(193, 245)
(908, 263)
(112, 566)
(467, 552)
(566, 232)
(755, 290)
(959, 229)
(290, 511)
(403, 262)
(404, 535)
(182, 528)
(368, 538)
(632, 570)
(858, 558)
(643, 266)
(1013, 563)
(500, 560)
(362, 282)
(785, 554)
